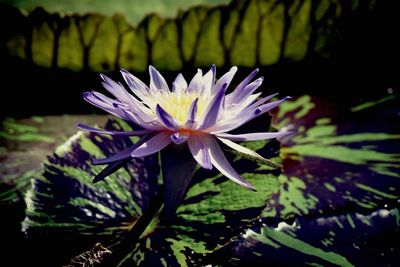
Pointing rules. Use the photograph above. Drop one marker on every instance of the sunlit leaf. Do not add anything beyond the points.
(350, 239)
(343, 156)
(65, 203)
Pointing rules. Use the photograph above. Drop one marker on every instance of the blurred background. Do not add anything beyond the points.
(337, 58)
(54, 49)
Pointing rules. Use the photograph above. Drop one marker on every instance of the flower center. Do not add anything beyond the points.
(178, 105)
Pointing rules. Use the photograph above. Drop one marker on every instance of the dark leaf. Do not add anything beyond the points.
(66, 207)
(347, 240)
(344, 156)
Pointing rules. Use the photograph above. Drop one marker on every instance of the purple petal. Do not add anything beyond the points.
(209, 79)
(110, 169)
(102, 102)
(238, 90)
(192, 113)
(179, 138)
(247, 80)
(225, 79)
(267, 107)
(180, 84)
(242, 94)
(102, 131)
(157, 82)
(261, 101)
(102, 97)
(124, 154)
(245, 116)
(149, 124)
(166, 119)
(253, 136)
(144, 113)
(115, 89)
(196, 84)
(242, 104)
(199, 150)
(155, 144)
(214, 109)
(220, 162)
(136, 85)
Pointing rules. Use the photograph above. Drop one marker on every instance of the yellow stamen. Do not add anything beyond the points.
(178, 104)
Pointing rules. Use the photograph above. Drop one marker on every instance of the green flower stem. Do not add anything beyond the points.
(127, 244)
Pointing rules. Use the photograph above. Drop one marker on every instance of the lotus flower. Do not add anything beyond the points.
(199, 113)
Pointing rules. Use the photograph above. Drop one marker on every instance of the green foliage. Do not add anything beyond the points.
(255, 32)
(332, 162)
(165, 51)
(209, 48)
(64, 201)
(244, 49)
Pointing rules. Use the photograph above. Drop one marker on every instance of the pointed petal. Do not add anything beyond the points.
(199, 150)
(241, 106)
(124, 154)
(166, 119)
(240, 95)
(115, 89)
(180, 84)
(247, 80)
(267, 107)
(209, 80)
(220, 162)
(245, 116)
(261, 101)
(241, 149)
(155, 144)
(179, 138)
(143, 120)
(253, 136)
(102, 97)
(214, 109)
(157, 81)
(102, 131)
(136, 85)
(110, 169)
(103, 102)
(196, 84)
(192, 114)
(225, 79)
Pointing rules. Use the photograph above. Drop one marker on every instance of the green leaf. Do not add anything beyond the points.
(65, 203)
(251, 33)
(350, 239)
(341, 156)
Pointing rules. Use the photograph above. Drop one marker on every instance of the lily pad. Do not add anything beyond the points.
(65, 206)
(344, 156)
(350, 239)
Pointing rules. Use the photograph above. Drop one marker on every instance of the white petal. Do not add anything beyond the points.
(196, 84)
(220, 162)
(199, 150)
(226, 78)
(253, 136)
(157, 81)
(241, 149)
(180, 84)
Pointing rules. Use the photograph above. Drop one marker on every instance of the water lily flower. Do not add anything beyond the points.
(199, 113)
